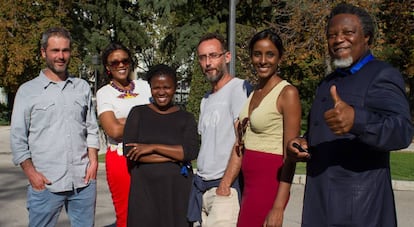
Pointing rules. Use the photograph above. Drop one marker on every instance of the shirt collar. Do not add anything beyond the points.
(45, 81)
(356, 67)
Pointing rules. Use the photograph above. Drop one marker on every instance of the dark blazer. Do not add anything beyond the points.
(348, 177)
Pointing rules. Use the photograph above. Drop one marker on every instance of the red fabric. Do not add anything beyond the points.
(261, 183)
(119, 181)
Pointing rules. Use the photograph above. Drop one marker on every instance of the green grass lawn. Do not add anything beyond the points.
(402, 166)
(101, 158)
(4, 122)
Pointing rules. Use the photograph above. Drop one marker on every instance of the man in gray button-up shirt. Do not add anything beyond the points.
(54, 138)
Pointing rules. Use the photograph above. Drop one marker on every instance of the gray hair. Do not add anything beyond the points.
(55, 31)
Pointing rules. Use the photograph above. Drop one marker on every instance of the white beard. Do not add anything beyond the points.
(343, 63)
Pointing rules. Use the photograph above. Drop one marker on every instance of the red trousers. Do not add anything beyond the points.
(119, 180)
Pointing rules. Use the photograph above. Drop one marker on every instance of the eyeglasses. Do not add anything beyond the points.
(116, 63)
(210, 56)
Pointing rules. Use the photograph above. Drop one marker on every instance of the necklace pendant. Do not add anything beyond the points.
(127, 95)
(130, 95)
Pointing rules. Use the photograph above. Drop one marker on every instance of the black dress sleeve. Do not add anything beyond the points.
(191, 139)
(131, 129)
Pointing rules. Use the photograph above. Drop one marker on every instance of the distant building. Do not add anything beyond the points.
(181, 94)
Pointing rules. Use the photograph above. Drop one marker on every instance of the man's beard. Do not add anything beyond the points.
(343, 63)
(55, 69)
(215, 78)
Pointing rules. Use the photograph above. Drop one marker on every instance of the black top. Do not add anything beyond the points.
(159, 192)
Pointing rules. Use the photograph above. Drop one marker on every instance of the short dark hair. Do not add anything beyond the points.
(162, 69)
(54, 31)
(217, 36)
(364, 17)
(270, 35)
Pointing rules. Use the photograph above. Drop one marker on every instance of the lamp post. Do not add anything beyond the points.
(95, 62)
(232, 36)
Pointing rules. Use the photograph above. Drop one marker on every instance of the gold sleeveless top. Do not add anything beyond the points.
(265, 129)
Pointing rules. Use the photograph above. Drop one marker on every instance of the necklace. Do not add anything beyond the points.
(126, 94)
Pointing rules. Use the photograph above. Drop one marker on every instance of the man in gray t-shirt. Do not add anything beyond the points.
(215, 197)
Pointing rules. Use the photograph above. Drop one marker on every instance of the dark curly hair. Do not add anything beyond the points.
(162, 69)
(365, 18)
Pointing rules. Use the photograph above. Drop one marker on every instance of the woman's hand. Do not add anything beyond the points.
(138, 150)
(274, 218)
(297, 150)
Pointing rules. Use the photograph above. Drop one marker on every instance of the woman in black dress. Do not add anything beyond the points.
(160, 140)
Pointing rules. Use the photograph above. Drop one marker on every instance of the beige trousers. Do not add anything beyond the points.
(220, 211)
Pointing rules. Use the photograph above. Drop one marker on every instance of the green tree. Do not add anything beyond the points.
(165, 31)
(396, 22)
(199, 86)
(302, 24)
(21, 24)
(100, 22)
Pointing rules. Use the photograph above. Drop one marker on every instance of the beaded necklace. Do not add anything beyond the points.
(126, 94)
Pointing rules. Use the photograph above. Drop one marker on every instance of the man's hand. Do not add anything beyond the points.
(91, 171)
(37, 180)
(223, 190)
(340, 119)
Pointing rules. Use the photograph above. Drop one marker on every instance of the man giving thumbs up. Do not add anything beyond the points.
(360, 113)
(341, 117)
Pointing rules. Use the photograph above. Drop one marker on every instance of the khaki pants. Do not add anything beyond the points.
(220, 211)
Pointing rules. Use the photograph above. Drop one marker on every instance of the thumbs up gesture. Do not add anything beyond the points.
(340, 118)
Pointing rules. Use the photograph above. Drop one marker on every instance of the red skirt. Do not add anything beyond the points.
(260, 174)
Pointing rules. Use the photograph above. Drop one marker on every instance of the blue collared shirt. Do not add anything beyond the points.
(357, 66)
(54, 123)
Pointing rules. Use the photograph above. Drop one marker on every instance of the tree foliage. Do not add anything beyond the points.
(21, 23)
(162, 31)
(396, 22)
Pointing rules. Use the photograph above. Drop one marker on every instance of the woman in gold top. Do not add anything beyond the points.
(269, 119)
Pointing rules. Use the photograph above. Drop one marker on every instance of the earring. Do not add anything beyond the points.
(108, 72)
(278, 70)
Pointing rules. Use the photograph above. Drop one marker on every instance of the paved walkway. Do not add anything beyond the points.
(13, 196)
(13, 184)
